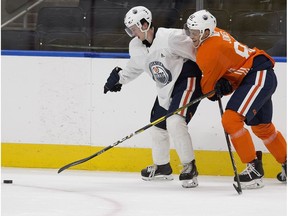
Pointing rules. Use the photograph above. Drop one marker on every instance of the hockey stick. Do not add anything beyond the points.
(237, 188)
(135, 133)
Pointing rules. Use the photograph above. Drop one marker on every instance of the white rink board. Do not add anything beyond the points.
(60, 100)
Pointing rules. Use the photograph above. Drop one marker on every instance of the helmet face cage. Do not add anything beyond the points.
(134, 17)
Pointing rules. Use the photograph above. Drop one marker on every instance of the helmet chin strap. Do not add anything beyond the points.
(146, 34)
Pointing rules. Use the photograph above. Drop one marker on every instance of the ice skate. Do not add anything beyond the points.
(189, 174)
(157, 172)
(251, 177)
(282, 176)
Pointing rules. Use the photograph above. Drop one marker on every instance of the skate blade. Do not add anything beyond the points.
(254, 184)
(159, 178)
(191, 183)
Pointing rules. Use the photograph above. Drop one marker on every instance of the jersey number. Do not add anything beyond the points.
(241, 50)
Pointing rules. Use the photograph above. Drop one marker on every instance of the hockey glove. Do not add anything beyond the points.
(112, 81)
(222, 87)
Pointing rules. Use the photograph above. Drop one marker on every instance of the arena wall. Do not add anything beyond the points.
(54, 112)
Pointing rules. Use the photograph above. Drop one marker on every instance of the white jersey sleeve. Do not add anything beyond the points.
(133, 67)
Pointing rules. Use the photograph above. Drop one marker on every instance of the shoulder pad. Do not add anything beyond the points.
(136, 48)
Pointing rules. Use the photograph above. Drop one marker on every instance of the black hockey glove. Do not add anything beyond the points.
(222, 87)
(112, 81)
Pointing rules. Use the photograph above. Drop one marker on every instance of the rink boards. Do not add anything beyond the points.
(120, 159)
(54, 112)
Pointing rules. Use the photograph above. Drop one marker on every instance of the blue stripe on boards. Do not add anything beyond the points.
(280, 59)
(64, 54)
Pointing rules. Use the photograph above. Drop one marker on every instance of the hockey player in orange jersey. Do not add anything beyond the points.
(229, 66)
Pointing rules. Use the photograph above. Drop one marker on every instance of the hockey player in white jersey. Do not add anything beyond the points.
(165, 55)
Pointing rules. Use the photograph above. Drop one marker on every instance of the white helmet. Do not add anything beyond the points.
(134, 17)
(201, 20)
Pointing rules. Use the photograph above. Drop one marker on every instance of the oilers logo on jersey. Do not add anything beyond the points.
(160, 74)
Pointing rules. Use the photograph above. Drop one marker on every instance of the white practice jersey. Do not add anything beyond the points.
(163, 61)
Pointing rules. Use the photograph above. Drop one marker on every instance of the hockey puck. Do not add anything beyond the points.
(7, 181)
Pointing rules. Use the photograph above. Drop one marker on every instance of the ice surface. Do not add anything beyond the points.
(43, 192)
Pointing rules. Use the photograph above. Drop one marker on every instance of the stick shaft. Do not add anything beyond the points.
(239, 190)
(135, 133)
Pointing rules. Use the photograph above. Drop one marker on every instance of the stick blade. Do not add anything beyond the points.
(72, 164)
(238, 189)
(64, 168)
(84, 159)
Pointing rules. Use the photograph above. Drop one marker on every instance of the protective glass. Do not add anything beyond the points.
(131, 31)
(191, 32)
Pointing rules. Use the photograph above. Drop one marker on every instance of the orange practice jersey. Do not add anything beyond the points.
(222, 56)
